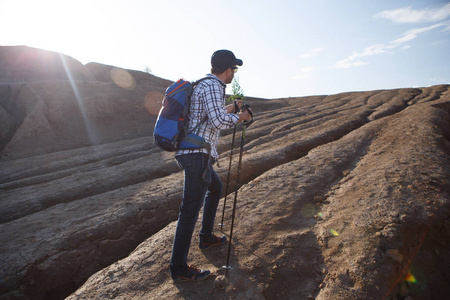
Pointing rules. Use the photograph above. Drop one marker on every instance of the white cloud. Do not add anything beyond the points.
(375, 50)
(447, 25)
(312, 52)
(350, 62)
(413, 33)
(409, 15)
(354, 60)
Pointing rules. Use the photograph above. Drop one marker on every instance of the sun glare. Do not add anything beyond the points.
(77, 28)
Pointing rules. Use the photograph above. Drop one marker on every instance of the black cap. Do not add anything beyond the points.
(223, 59)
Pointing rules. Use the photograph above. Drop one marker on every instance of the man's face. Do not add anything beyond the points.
(230, 75)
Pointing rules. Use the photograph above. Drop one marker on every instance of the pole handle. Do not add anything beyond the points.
(246, 107)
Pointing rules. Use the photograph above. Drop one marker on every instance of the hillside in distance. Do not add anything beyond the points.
(342, 196)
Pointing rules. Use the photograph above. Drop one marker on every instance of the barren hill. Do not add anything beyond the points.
(343, 196)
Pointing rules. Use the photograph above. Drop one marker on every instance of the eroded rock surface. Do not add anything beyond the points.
(343, 196)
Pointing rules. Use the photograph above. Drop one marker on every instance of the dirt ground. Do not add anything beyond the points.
(363, 217)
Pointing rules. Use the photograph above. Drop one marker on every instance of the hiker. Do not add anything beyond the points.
(202, 186)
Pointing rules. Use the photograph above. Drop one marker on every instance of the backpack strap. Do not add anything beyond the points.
(187, 108)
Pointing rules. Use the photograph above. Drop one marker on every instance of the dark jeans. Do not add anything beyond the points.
(197, 192)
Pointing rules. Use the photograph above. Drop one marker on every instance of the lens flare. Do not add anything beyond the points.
(334, 232)
(410, 278)
(123, 78)
(153, 101)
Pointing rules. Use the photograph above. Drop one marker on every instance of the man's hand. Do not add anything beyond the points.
(244, 116)
(238, 103)
(231, 108)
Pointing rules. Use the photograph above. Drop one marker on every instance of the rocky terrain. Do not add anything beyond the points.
(343, 196)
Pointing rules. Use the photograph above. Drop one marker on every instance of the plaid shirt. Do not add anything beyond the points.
(208, 100)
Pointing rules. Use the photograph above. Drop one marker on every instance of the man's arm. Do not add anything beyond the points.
(217, 113)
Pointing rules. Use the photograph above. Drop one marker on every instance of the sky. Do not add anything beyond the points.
(290, 48)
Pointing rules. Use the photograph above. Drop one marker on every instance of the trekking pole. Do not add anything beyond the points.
(228, 179)
(245, 123)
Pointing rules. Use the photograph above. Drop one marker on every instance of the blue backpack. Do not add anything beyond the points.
(171, 128)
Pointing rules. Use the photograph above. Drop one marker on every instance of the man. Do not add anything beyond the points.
(202, 186)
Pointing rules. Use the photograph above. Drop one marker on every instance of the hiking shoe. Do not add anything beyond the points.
(192, 273)
(215, 240)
